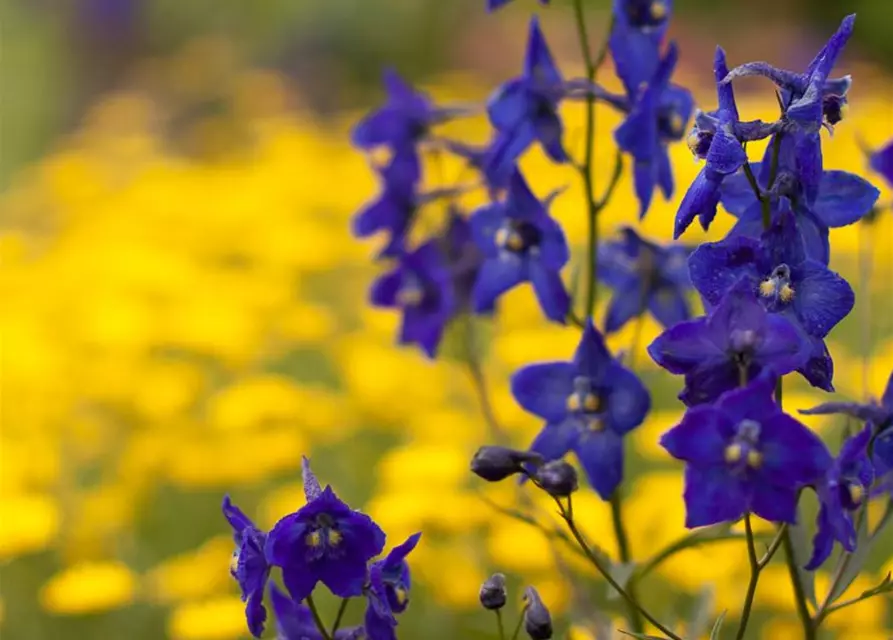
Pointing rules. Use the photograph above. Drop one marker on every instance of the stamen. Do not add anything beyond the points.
(595, 424)
(754, 459)
(732, 453)
(333, 537)
(767, 288)
(401, 595)
(787, 293)
(591, 402)
(573, 402)
(234, 562)
(658, 10)
(313, 539)
(857, 493)
(409, 296)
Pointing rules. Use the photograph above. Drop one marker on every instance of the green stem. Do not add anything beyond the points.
(341, 609)
(567, 515)
(500, 625)
(520, 622)
(809, 629)
(693, 539)
(479, 382)
(754, 578)
(635, 617)
(317, 619)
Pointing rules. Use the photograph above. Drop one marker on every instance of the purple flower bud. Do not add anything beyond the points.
(557, 478)
(493, 593)
(494, 463)
(537, 620)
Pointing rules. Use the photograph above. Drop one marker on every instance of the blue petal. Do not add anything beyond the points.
(701, 437)
(827, 57)
(887, 397)
(553, 250)
(485, 222)
(665, 172)
(384, 213)
(682, 347)
(669, 306)
(592, 357)
(509, 105)
(710, 379)
(822, 542)
(774, 503)
(293, 619)
(299, 579)
(783, 79)
(724, 91)
(496, 276)
(382, 126)
(783, 348)
(550, 292)
(644, 178)
(752, 402)
(505, 150)
(843, 198)
(556, 439)
(601, 456)
(424, 328)
(628, 400)
(543, 389)
(713, 495)
(882, 162)
(821, 297)
(343, 576)
(736, 194)
(548, 132)
(701, 199)
(635, 54)
(538, 62)
(808, 150)
(715, 267)
(725, 155)
(793, 456)
(625, 305)
(384, 290)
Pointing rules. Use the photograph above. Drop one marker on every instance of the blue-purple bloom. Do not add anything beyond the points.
(421, 286)
(645, 276)
(464, 259)
(521, 243)
(249, 566)
(843, 490)
(744, 455)
(324, 541)
(716, 138)
(388, 594)
(788, 283)
(588, 404)
(294, 621)
(493, 5)
(882, 162)
(734, 343)
(880, 413)
(639, 29)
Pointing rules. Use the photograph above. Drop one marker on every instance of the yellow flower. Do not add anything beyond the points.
(192, 575)
(89, 588)
(30, 523)
(218, 618)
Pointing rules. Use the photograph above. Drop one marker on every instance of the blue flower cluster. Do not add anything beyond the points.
(324, 541)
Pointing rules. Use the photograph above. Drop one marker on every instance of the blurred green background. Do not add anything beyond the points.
(184, 311)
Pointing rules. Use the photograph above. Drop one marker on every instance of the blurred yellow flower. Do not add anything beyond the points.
(217, 618)
(88, 588)
(29, 523)
(193, 575)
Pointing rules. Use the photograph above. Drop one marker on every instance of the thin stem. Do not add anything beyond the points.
(500, 625)
(635, 617)
(341, 609)
(567, 515)
(317, 619)
(776, 156)
(842, 565)
(754, 578)
(479, 382)
(520, 622)
(688, 541)
(809, 629)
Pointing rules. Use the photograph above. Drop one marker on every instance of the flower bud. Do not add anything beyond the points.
(537, 620)
(557, 478)
(492, 593)
(493, 463)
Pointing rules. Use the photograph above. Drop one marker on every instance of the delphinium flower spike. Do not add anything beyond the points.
(882, 162)
(294, 621)
(635, 40)
(388, 591)
(744, 455)
(645, 276)
(788, 283)
(249, 565)
(589, 404)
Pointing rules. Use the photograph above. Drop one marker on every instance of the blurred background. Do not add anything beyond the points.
(184, 311)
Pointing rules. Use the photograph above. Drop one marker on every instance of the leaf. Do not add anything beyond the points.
(885, 586)
(702, 612)
(800, 544)
(714, 635)
(621, 572)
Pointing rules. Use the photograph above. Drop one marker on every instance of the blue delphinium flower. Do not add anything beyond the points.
(294, 621)
(744, 455)
(492, 5)
(716, 137)
(520, 242)
(249, 566)
(658, 114)
(639, 28)
(882, 162)
(735, 342)
(589, 404)
(464, 259)
(803, 290)
(421, 286)
(882, 461)
(324, 541)
(880, 413)
(843, 490)
(524, 109)
(645, 276)
(842, 199)
(389, 583)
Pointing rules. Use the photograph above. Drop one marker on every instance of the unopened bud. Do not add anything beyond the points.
(493, 463)
(537, 620)
(493, 592)
(557, 478)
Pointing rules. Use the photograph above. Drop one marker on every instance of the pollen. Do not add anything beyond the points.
(693, 140)
(591, 402)
(402, 596)
(595, 424)
(409, 296)
(787, 293)
(754, 459)
(508, 239)
(234, 562)
(313, 539)
(573, 402)
(767, 288)
(333, 537)
(658, 10)
(732, 453)
(856, 493)
(844, 110)
(676, 123)
(380, 156)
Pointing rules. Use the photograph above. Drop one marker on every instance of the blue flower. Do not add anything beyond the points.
(842, 199)
(644, 276)
(588, 404)
(639, 28)
(744, 455)
(788, 283)
(736, 341)
(521, 243)
(388, 594)
(882, 162)
(420, 285)
(524, 109)
(464, 259)
(249, 566)
(324, 541)
(882, 461)
(716, 138)
(880, 413)
(658, 115)
(842, 491)
(294, 621)
(493, 5)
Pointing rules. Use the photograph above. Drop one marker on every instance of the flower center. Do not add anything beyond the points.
(645, 14)
(586, 404)
(411, 292)
(834, 108)
(742, 452)
(671, 124)
(323, 537)
(699, 142)
(777, 287)
(517, 237)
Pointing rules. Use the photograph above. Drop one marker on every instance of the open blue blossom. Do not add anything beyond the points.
(521, 243)
(735, 342)
(716, 138)
(524, 109)
(882, 461)
(880, 413)
(842, 491)
(421, 286)
(294, 621)
(842, 199)
(464, 259)
(493, 5)
(801, 289)
(588, 404)
(744, 455)
(389, 583)
(249, 566)
(658, 115)
(324, 541)
(882, 162)
(645, 276)
(639, 29)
